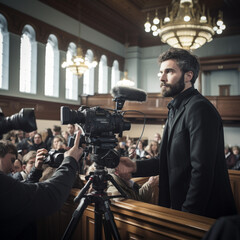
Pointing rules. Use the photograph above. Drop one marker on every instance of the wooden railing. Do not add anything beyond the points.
(134, 219)
(155, 108)
(234, 176)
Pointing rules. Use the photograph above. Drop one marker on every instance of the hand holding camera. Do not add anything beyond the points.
(75, 151)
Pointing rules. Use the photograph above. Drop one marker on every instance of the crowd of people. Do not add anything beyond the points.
(28, 143)
(27, 168)
(55, 139)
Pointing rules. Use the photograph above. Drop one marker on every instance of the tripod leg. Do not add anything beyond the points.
(107, 230)
(109, 219)
(75, 218)
(98, 222)
(84, 189)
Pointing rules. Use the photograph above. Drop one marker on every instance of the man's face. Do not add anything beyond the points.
(37, 139)
(171, 78)
(6, 163)
(29, 165)
(17, 166)
(70, 129)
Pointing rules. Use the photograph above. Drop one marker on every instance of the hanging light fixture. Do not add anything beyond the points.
(186, 25)
(125, 81)
(79, 64)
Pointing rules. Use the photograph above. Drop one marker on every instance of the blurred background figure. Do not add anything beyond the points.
(57, 142)
(140, 150)
(152, 149)
(18, 164)
(47, 137)
(56, 130)
(236, 152)
(37, 143)
(128, 142)
(132, 152)
(230, 157)
(157, 138)
(70, 129)
(28, 164)
(65, 136)
(122, 149)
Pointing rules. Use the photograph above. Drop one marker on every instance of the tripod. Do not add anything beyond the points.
(103, 214)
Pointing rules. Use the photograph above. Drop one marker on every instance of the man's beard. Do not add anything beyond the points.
(171, 90)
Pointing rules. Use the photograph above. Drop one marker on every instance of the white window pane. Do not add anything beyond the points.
(51, 68)
(25, 64)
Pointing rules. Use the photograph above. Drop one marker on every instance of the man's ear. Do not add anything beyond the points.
(188, 77)
(24, 167)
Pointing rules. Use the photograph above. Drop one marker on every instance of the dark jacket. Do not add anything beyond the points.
(33, 177)
(35, 147)
(191, 162)
(21, 203)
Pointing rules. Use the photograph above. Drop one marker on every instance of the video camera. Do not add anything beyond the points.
(100, 125)
(24, 120)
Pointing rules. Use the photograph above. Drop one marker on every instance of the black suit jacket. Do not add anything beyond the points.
(21, 203)
(191, 162)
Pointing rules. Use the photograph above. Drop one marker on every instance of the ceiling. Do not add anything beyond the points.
(123, 20)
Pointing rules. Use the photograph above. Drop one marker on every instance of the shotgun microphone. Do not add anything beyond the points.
(129, 93)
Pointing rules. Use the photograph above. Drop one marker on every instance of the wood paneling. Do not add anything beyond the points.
(234, 176)
(43, 109)
(155, 108)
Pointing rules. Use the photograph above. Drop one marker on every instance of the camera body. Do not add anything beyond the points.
(99, 126)
(54, 158)
(95, 121)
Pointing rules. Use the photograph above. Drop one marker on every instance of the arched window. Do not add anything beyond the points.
(71, 88)
(88, 77)
(103, 75)
(52, 67)
(28, 61)
(115, 74)
(4, 53)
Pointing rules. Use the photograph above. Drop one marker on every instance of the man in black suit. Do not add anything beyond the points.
(191, 164)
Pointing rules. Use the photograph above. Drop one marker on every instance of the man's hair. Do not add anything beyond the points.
(7, 147)
(56, 128)
(184, 59)
(28, 156)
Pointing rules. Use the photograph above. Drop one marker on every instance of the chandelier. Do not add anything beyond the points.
(79, 64)
(125, 81)
(186, 25)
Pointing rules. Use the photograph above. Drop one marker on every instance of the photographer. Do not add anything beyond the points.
(22, 203)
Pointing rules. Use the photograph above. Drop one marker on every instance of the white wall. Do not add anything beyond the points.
(213, 79)
(232, 136)
(149, 68)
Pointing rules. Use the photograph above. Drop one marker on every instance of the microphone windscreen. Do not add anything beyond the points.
(129, 93)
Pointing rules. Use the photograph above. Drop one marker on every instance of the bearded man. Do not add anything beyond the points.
(191, 164)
